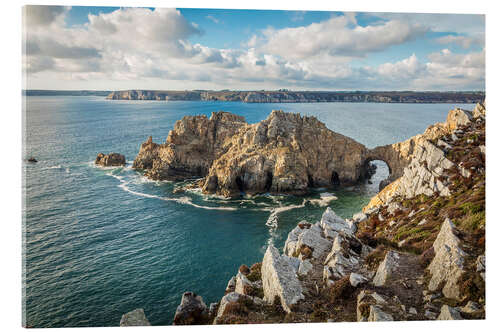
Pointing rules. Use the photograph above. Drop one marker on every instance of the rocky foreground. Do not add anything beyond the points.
(416, 252)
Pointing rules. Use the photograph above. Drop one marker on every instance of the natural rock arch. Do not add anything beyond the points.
(391, 155)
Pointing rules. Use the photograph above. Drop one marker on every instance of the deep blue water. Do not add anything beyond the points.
(101, 242)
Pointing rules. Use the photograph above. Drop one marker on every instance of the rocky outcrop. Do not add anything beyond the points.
(278, 154)
(386, 268)
(111, 159)
(191, 311)
(279, 279)
(190, 147)
(447, 266)
(281, 154)
(449, 313)
(136, 317)
(419, 164)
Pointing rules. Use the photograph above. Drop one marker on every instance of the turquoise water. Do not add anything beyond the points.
(99, 242)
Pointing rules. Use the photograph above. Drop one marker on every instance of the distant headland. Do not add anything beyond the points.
(276, 96)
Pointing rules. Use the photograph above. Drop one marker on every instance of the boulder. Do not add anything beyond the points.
(111, 159)
(449, 313)
(343, 259)
(481, 266)
(330, 220)
(191, 311)
(233, 297)
(386, 268)
(357, 279)
(458, 117)
(231, 285)
(244, 285)
(306, 242)
(447, 265)
(376, 314)
(470, 307)
(479, 110)
(279, 279)
(359, 217)
(135, 317)
(314, 240)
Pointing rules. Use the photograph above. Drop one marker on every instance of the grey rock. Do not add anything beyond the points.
(376, 314)
(386, 268)
(279, 278)
(359, 217)
(135, 317)
(393, 207)
(111, 159)
(470, 307)
(449, 313)
(304, 268)
(330, 220)
(447, 265)
(231, 285)
(481, 263)
(430, 314)
(413, 311)
(233, 297)
(357, 279)
(192, 310)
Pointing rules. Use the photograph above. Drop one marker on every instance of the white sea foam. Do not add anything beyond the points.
(324, 199)
(183, 200)
(272, 220)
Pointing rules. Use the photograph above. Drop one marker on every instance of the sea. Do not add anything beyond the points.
(100, 242)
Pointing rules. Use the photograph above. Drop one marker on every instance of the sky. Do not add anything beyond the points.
(117, 48)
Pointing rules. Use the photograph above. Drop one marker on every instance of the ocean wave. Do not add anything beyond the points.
(182, 200)
(272, 220)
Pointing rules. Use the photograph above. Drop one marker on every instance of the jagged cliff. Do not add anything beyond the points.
(417, 253)
(284, 153)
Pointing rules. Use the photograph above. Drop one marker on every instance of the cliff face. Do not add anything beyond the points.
(417, 255)
(283, 153)
(190, 147)
(286, 96)
(424, 166)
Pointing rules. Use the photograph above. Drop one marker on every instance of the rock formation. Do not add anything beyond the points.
(191, 311)
(190, 147)
(136, 317)
(278, 154)
(111, 159)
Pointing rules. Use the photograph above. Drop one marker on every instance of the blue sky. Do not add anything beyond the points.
(125, 48)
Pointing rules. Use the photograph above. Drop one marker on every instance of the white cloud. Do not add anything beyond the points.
(463, 41)
(43, 15)
(336, 38)
(143, 48)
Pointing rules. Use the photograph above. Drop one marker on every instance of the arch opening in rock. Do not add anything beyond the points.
(335, 179)
(269, 181)
(240, 184)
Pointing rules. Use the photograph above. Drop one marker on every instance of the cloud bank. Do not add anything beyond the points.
(144, 48)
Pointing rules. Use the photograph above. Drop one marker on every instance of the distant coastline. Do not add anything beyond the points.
(277, 96)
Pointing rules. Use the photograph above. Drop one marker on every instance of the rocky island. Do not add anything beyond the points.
(415, 252)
